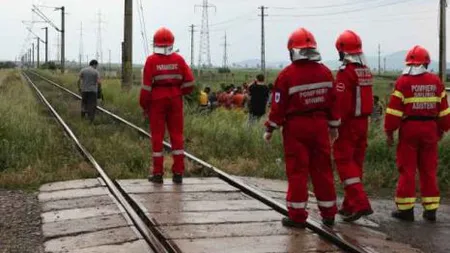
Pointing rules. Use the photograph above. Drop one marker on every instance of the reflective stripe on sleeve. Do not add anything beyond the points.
(422, 100)
(272, 124)
(326, 204)
(350, 181)
(312, 86)
(334, 123)
(394, 112)
(187, 85)
(405, 200)
(296, 205)
(444, 112)
(178, 152)
(158, 154)
(167, 77)
(398, 94)
(146, 87)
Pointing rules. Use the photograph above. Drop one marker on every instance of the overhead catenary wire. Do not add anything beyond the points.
(343, 11)
(144, 37)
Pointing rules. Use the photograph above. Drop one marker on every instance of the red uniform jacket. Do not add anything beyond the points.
(165, 76)
(418, 96)
(304, 87)
(354, 85)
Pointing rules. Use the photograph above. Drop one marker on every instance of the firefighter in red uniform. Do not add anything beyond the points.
(166, 78)
(303, 104)
(419, 109)
(354, 85)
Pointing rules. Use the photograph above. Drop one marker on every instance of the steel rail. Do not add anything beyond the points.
(313, 224)
(145, 230)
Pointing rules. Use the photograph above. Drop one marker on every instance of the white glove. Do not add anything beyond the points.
(267, 136)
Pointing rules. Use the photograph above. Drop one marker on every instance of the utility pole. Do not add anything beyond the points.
(191, 30)
(443, 41)
(225, 53)
(127, 45)
(81, 49)
(38, 51)
(263, 40)
(99, 53)
(46, 44)
(384, 69)
(63, 39)
(109, 60)
(379, 59)
(32, 54)
(29, 57)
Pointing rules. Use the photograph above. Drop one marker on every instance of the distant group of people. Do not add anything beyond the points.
(253, 97)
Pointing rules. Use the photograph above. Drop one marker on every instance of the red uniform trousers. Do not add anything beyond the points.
(167, 110)
(417, 149)
(349, 154)
(308, 152)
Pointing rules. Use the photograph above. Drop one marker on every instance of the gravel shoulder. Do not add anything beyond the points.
(20, 222)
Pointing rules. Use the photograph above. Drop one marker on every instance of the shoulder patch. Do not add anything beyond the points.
(340, 87)
(277, 97)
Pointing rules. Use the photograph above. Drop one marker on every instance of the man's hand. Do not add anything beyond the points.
(334, 134)
(390, 139)
(267, 136)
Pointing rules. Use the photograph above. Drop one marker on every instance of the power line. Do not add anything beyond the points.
(344, 12)
(324, 6)
(144, 36)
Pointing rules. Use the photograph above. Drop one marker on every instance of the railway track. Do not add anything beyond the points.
(148, 227)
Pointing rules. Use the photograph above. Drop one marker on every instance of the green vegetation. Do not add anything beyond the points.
(33, 149)
(224, 139)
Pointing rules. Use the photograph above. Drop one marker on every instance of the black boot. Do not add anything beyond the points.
(350, 217)
(292, 224)
(405, 215)
(157, 179)
(429, 215)
(177, 178)
(328, 222)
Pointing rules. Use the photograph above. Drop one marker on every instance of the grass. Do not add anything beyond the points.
(224, 139)
(33, 150)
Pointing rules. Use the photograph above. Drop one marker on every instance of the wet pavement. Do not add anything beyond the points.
(208, 215)
(81, 216)
(380, 231)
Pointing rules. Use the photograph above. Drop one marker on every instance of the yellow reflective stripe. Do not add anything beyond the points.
(429, 207)
(431, 199)
(405, 200)
(444, 112)
(398, 94)
(405, 206)
(422, 100)
(394, 112)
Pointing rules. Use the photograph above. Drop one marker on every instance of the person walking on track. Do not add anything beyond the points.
(166, 79)
(304, 105)
(89, 84)
(354, 84)
(419, 109)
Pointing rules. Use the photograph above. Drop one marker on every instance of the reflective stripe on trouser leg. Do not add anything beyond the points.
(157, 115)
(431, 203)
(407, 165)
(175, 127)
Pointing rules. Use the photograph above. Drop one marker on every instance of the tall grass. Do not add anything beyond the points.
(33, 150)
(224, 139)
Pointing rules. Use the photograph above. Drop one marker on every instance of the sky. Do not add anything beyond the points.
(395, 24)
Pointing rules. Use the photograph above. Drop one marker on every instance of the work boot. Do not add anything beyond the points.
(177, 178)
(287, 222)
(157, 179)
(328, 222)
(429, 215)
(405, 215)
(350, 217)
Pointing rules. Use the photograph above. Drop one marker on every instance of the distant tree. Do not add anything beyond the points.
(7, 65)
